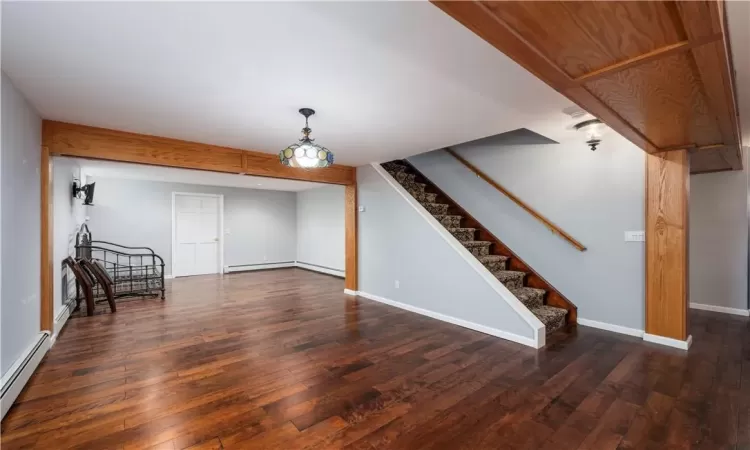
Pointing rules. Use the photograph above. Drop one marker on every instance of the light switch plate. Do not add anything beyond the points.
(635, 236)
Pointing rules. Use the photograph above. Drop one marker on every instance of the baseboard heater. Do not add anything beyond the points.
(321, 269)
(20, 373)
(259, 266)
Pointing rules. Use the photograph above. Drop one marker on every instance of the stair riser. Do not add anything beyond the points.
(403, 177)
(413, 186)
(464, 235)
(450, 221)
(393, 167)
(423, 197)
(436, 208)
(531, 301)
(495, 266)
(511, 281)
(479, 251)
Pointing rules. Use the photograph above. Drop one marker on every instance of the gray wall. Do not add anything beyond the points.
(69, 214)
(593, 196)
(20, 247)
(718, 239)
(396, 243)
(320, 227)
(261, 224)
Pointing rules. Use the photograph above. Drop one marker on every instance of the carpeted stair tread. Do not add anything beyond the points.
(512, 279)
(477, 248)
(423, 197)
(436, 208)
(463, 234)
(493, 263)
(530, 297)
(553, 318)
(449, 221)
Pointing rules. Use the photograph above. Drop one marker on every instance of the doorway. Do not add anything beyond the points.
(197, 234)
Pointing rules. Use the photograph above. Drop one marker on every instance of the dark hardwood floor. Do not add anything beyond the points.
(283, 359)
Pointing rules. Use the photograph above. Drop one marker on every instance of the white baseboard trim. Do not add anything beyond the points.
(530, 342)
(265, 266)
(350, 292)
(721, 309)
(321, 269)
(682, 345)
(610, 327)
(19, 373)
(61, 320)
(523, 312)
(168, 277)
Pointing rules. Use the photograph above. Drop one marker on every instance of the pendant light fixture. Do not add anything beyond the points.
(306, 153)
(593, 129)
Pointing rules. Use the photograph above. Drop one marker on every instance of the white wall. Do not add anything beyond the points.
(593, 196)
(69, 214)
(20, 248)
(719, 239)
(320, 227)
(397, 244)
(261, 224)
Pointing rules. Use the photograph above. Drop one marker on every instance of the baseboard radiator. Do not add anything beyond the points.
(20, 373)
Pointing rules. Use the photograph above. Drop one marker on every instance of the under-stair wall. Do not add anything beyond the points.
(404, 260)
(593, 196)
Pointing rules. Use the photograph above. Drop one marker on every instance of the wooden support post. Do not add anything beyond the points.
(46, 272)
(667, 193)
(350, 219)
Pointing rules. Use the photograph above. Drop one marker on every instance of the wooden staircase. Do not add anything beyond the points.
(549, 305)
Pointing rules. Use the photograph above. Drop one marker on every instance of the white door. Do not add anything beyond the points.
(196, 234)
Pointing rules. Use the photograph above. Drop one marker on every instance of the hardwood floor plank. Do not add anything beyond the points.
(283, 359)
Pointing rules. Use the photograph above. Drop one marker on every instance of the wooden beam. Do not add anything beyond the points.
(702, 19)
(667, 187)
(478, 18)
(99, 143)
(47, 266)
(350, 219)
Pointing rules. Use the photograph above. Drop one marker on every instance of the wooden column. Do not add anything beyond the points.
(350, 219)
(667, 194)
(46, 267)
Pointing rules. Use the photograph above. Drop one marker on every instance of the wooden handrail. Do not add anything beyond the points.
(552, 227)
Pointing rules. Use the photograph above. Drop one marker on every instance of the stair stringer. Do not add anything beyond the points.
(503, 292)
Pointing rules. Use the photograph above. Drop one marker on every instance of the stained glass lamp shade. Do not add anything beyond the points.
(306, 153)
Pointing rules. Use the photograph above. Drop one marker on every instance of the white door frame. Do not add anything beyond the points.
(220, 269)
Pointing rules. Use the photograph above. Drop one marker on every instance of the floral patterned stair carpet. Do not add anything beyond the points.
(552, 317)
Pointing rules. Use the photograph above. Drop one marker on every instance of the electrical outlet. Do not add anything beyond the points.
(265, 258)
(361, 209)
(635, 236)
(396, 284)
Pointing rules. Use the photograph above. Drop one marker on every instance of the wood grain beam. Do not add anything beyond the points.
(66, 139)
(351, 237)
(659, 53)
(667, 188)
(46, 322)
(478, 18)
(702, 19)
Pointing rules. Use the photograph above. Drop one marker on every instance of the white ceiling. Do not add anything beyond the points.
(738, 14)
(107, 169)
(388, 79)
